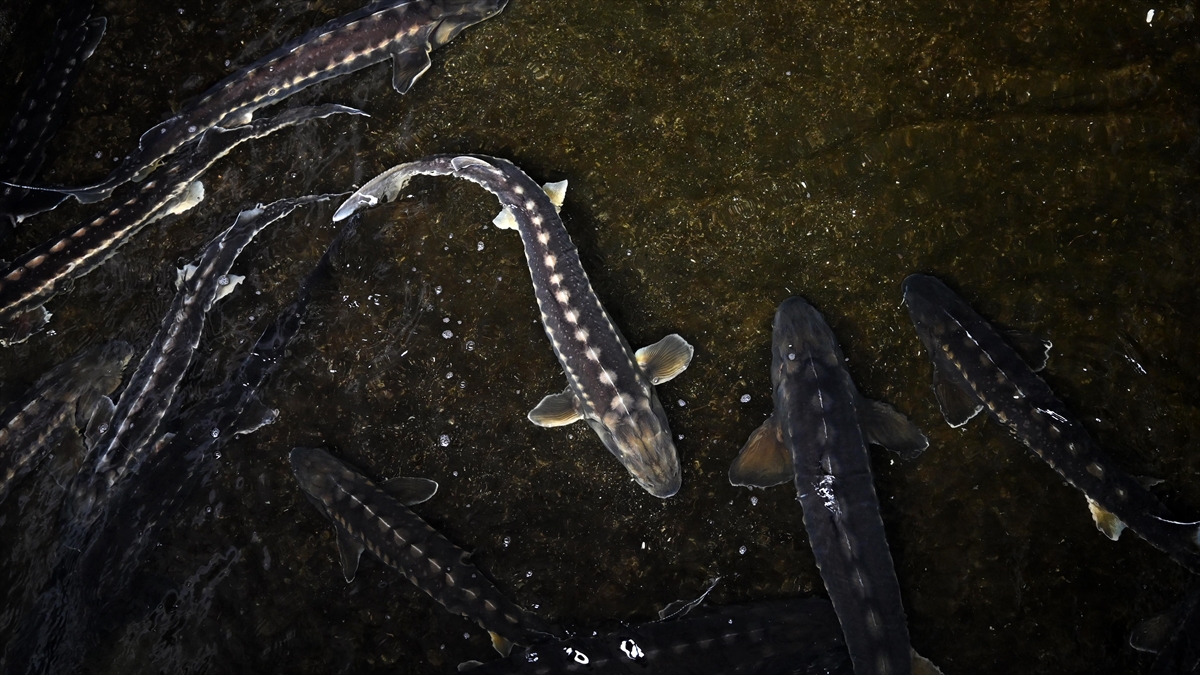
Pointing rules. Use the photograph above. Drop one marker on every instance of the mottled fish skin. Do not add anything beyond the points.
(36, 276)
(969, 354)
(375, 520)
(31, 426)
(42, 111)
(779, 637)
(150, 392)
(609, 387)
(819, 412)
(405, 31)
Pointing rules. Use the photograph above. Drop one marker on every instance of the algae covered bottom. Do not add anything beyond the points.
(722, 156)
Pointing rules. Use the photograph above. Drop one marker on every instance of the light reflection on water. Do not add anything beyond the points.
(721, 157)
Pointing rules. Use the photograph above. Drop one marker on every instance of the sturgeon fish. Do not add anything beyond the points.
(368, 516)
(610, 386)
(42, 111)
(35, 277)
(778, 637)
(818, 437)
(67, 617)
(405, 31)
(74, 392)
(151, 389)
(975, 369)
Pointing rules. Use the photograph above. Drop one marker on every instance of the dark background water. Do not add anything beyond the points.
(1039, 156)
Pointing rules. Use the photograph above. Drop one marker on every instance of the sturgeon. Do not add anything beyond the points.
(150, 392)
(73, 393)
(405, 31)
(377, 518)
(35, 277)
(778, 637)
(66, 619)
(41, 113)
(976, 370)
(818, 437)
(610, 386)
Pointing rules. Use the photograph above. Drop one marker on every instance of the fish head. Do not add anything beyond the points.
(316, 471)
(461, 14)
(927, 299)
(639, 437)
(801, 334)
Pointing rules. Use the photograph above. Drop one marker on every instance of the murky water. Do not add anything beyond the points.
(722, 156)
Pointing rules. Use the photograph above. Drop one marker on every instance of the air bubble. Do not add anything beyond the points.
(470, 345)
(682, 403)
(215, 432)
(742, 551)
(479, 246)
(449, 376)
(745, 398)
(437, 290)
(754, 501)
(444, 441)
(507, 541)
(791, 356)
(447, 334)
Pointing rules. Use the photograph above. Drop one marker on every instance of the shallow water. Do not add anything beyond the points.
(1041, 158)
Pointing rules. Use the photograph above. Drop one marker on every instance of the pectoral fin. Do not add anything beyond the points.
(557, 192)
(501, 644)
(764, 460)
(665, 359)
(226, 289)
(1154, 633)
(505, 220)
(349, 551)
(254, 416)
(193, 195)
(409, 490)
(1110, 525)
(408, 67)
(556, 410)
(958, 406)
(1034, 351)
(884, 425)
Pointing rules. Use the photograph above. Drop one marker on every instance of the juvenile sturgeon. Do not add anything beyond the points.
(38, 275)
(41, 113)
(73, 393)
(818, 437)
(377, 518)
(778, 637)
(405, 31)
(975, 369)
(66, 620)
(610, 386)
(151, 389)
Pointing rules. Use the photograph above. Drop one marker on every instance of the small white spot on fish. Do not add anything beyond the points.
(444, 441)
(563, 296)
(544, 237)
(550, 261)
(556, 279)
(571, 316)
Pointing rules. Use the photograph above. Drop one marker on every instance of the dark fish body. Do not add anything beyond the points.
(784, 637)
(42, 110)
(64, 397)
(35, 277)
(368, 517)
(69, 614)
(825, 424)
(610, 386)
(150, 392)
(405, 31)
(975, 369)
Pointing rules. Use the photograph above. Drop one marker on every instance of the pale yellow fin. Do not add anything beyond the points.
(505, 220)
(502, 645)
(557, 192)
(764, 460)
(1110, 525)
(556, 410)
(665, 359)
